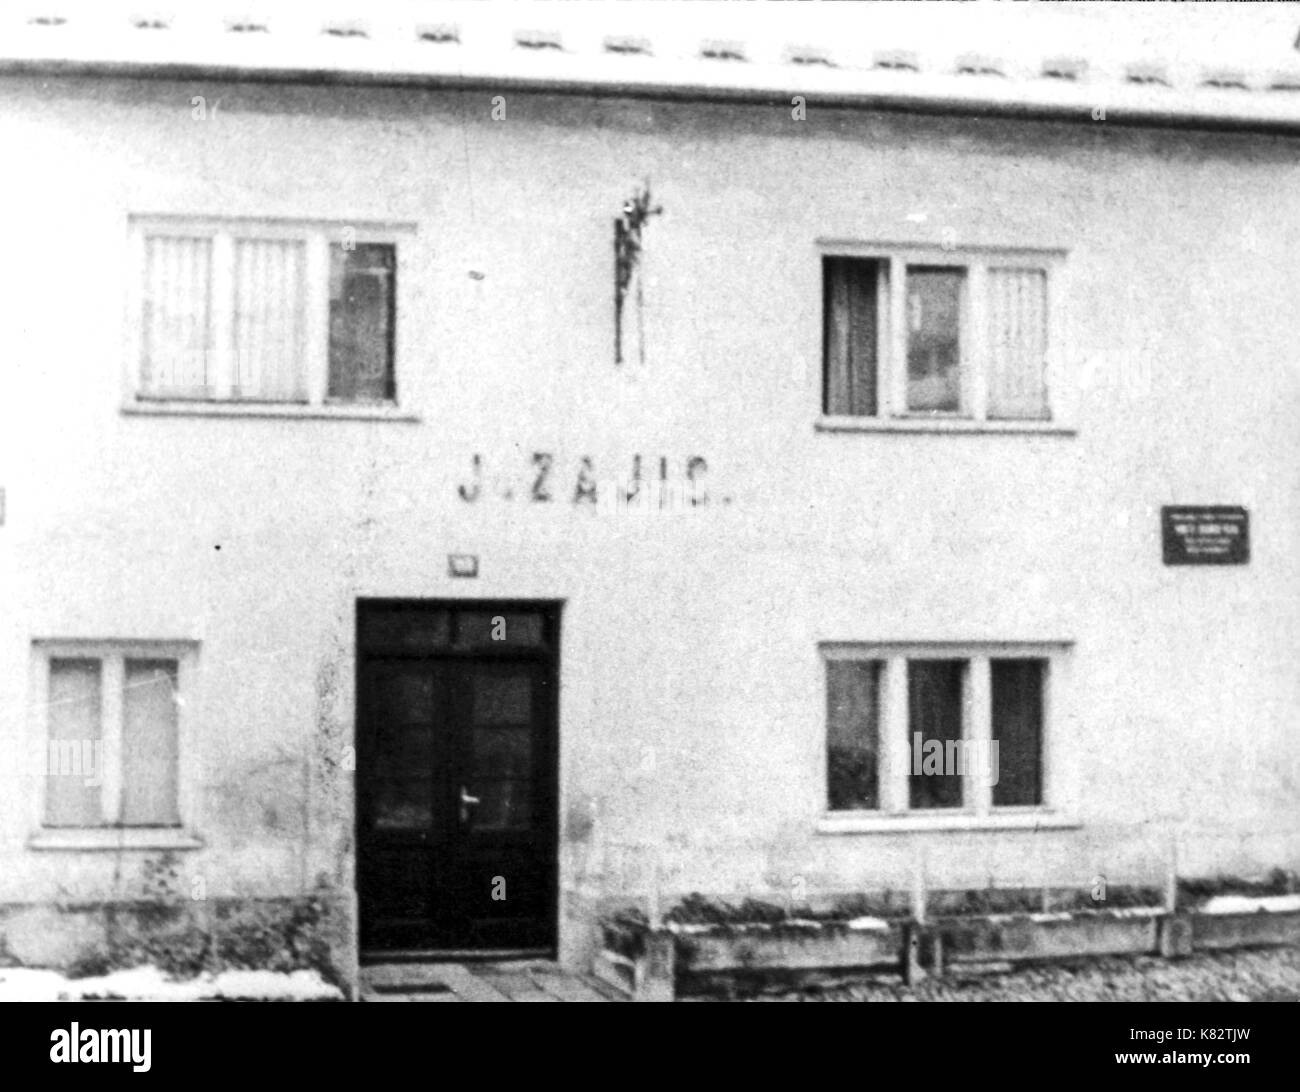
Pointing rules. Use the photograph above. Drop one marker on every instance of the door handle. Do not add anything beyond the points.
(466, 802)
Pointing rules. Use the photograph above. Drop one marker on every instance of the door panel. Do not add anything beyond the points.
(404, 747)
(501, 765)
(456, 811)
(506, 846)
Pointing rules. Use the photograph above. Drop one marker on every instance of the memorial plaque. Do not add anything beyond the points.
(1205, 535)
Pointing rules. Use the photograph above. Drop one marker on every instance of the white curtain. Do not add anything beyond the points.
(269, 300)
(149, 744)
(76, 754)
(177, 346)
(1017, 343)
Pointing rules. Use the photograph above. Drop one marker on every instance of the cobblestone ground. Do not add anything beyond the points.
(1260, 975)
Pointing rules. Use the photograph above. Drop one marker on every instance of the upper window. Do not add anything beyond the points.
(112, 734)
(237, 311)
(935, 335)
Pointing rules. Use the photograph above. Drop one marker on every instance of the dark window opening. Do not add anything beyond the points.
(362, 318)
(1017, 698)
(935, 696)
(853, 736)
(852, 297)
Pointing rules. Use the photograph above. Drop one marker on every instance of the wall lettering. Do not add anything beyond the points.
(679, 483)
(543, 461)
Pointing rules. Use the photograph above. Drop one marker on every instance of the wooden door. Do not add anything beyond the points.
(456, 764)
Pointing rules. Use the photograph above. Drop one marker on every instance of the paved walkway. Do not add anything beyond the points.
(515, 980)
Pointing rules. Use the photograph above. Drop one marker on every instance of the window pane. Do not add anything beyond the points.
(404, 629)
(75, 759)
(177, 356)
(500, 630)
(934, 701)
(269, 317)
(852, 733)
(503, 804)
(1018, 729)
(404, 693)
(934, 338)
(403, 804)
(502, 697)
(851, 288)
(361, 322)
(149, 744)
(1017, 343)
(503, 752)
(403, 752)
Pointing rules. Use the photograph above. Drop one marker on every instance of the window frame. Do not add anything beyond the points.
(112, 655)
(977, 810)
(317, 236)
(892, 413)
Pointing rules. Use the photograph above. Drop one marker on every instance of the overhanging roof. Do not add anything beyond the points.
(1201, 65)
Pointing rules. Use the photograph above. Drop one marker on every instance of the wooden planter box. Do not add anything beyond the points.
(998, 938)
(1244, 930)
(793, 946)
(648, 963)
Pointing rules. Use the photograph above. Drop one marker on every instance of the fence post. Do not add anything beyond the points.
(656, 970)
(656, 973)
(1175, 929)
(914, 936)
(918, 884)
(1171, 875)
(654, 898)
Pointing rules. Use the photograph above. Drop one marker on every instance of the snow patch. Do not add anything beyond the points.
(689, 927)
(1246, 904)
(150, 984)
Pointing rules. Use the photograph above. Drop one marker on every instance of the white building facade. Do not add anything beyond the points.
(363, 586)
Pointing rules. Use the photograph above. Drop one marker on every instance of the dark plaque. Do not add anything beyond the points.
(1205, 535)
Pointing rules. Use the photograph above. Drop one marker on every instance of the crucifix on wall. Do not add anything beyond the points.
(637, 210)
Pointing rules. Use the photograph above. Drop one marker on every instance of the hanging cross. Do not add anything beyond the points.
(637, 210)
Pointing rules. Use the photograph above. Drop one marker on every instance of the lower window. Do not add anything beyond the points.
(913, 729)
(112, 734)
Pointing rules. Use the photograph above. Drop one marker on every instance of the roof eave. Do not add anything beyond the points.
(1052, 100)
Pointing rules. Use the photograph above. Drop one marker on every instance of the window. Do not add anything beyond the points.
(936, 696)
(934, 341)
(361, 323)
(111, 734)
(1017, 702)
(269, 314)
(916, 729)
(854, 291)
(853, 734)
(937, 335)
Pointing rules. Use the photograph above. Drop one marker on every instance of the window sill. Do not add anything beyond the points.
(113, 838)
(327, 412)
(939, 424)
(870, 823)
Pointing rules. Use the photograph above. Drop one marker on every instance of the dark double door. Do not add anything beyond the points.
(456, 775)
